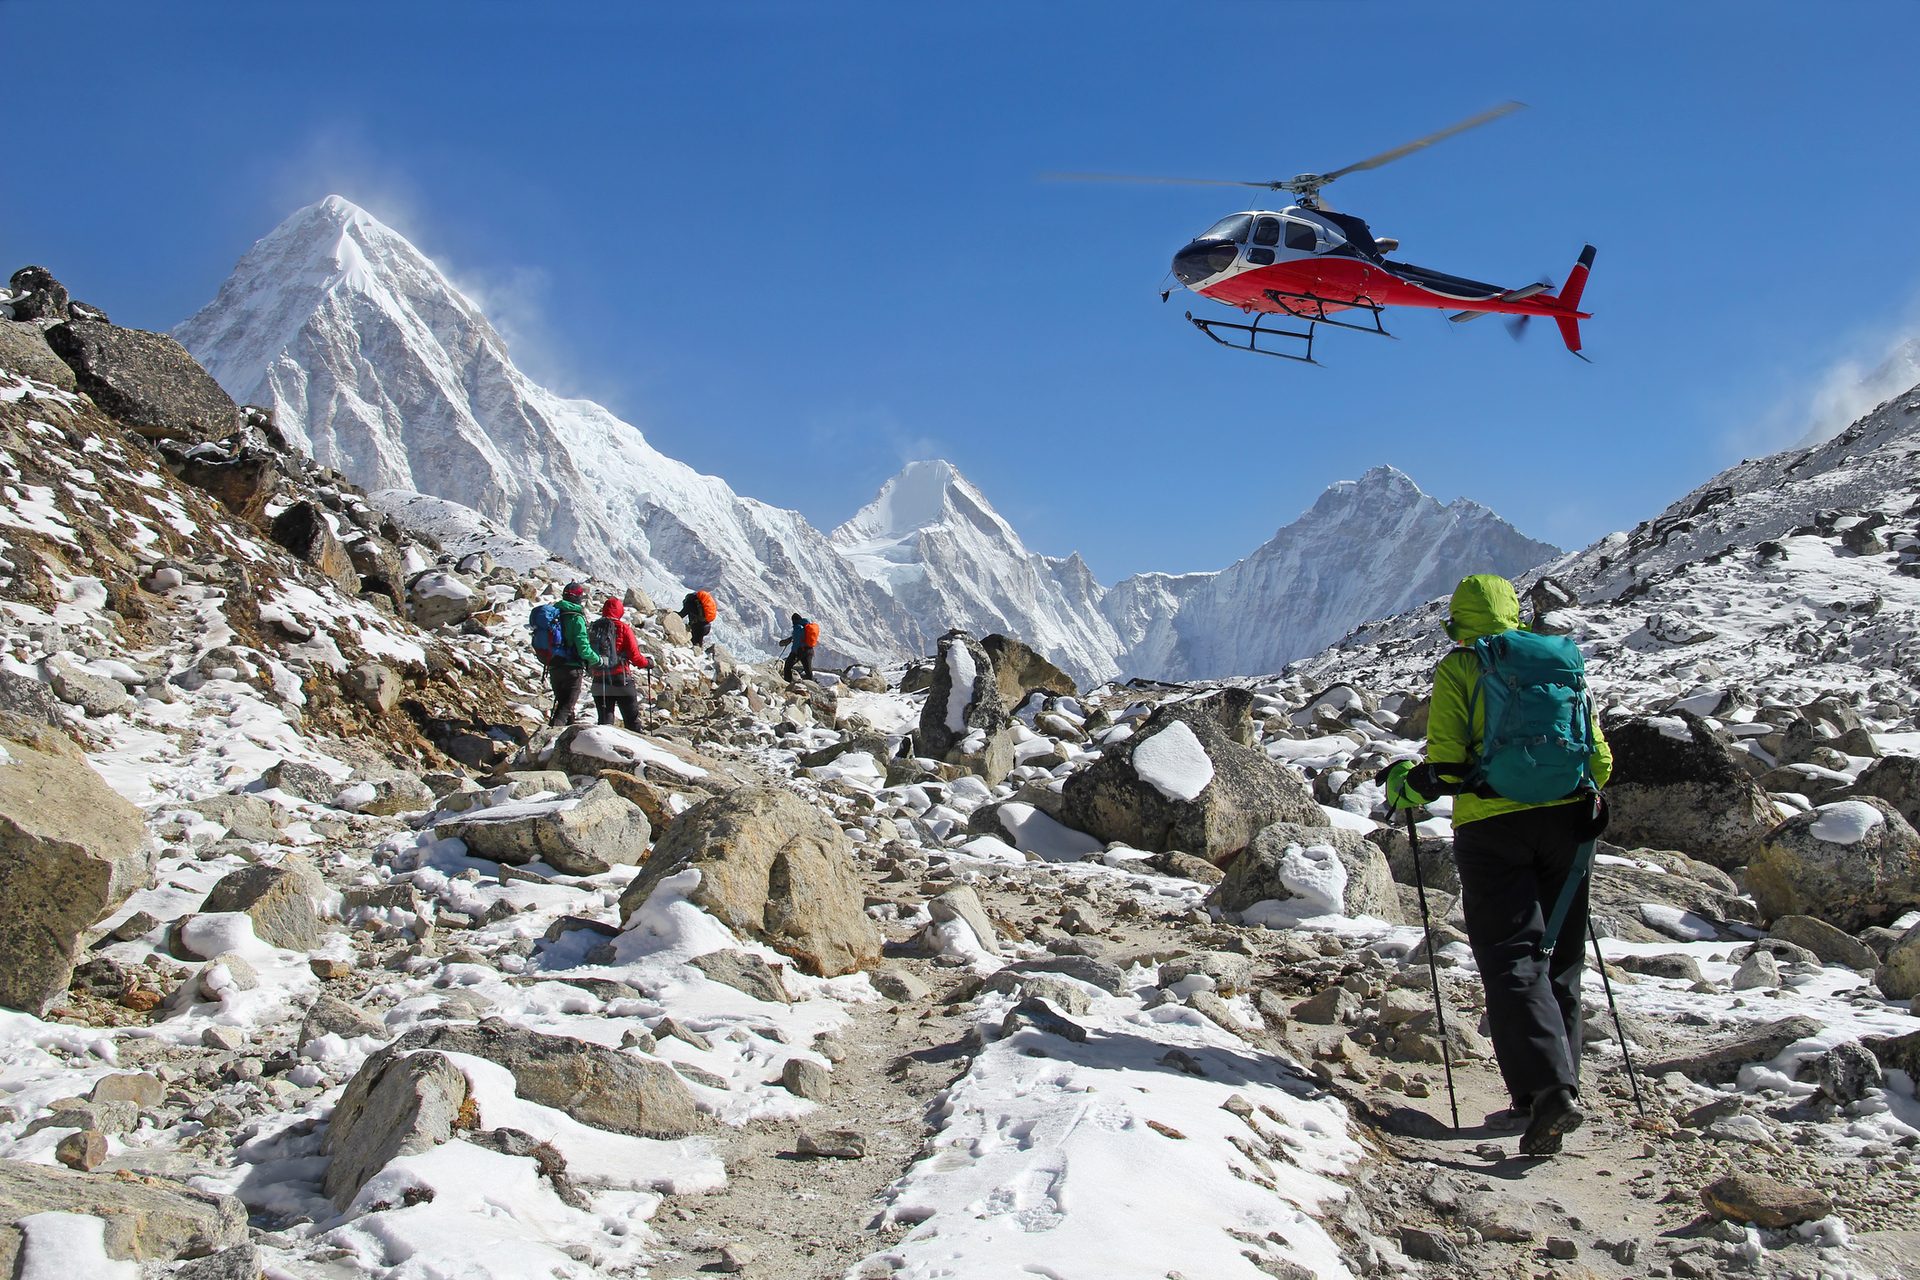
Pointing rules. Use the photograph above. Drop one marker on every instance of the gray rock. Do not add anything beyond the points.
(1436, 871)
(38, 296)
(775, 867)
(374, 686)
(1060, 992)
(1033, 1012)
(1809, 865)
(245, 817)
(28, 698)
(965, 722)
(302, 781)
(281, 901)
(1684, 790)
(1895, 779)
(1827, 943)
(899, 985)
(71, 850)
(437, 598)
(744, 972)
(1255, 876)
(1019, 670)
(1721, 1063)
(24, 350)
(1675, 966)
(330, 1015)
(1230, 972)
(806, 1078)
(837, 1144)
(76, 686)
(594, 1084)
(1098, 973)
(148, 1218)
(1846, 1071)
(242, 1262)
(1424, 1245)
(1331, 1007)
(1499, 1217)
(963, 903)
(590, 832)
(1247, 793)
(146, 380)
(393, 1106)
(1899, 977)
(401, 793)
(1763, 1201)
(137, 1087)
(1757, 972)
(306, 533)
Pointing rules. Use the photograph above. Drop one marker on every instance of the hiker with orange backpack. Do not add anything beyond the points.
(805, 636)
(619, 650)
(699, 611)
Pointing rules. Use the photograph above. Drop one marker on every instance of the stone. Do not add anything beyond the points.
(965, 722)
(650, 798)
(1331, 1007)
(280, 900)
(142, 1090)
(1677, 785)
(1762, 1201)
(242, 1262)
(1671, 965)
(836, 1144)
(1246, 793)
(225, 1039)
(1260, 874)
(1019, 670)
(899, 986)
(71, 850)
(807, 1079)
(393, 1106)
(1720, 1064)
(594, 1084)
(1094, 972)
(1562, 1247)
(147, 1218)
(773, 866)
(1187, 867)
(302, 781)
(1852, 864)
(245, 817)
(962, 903)
(1899, 977)
(1062, 993)
(1229, 710)
(84, 1150)
(307, 535)
(437, 598)
(387, 797)
(1230, 972)
(94, 694)
(1424, 1245)
(1436, 872)
(38, 296)
(1033, 1012)
(24, 351)
(1499, 1217)
(145, 380)
(1846, 1071)
(1895, 779)
(332, 1016)
(743, 972)
(584, 834)
(374, 686)
(1757, 972)
(1827, 943)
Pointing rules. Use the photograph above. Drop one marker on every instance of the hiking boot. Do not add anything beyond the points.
(1555, 1114)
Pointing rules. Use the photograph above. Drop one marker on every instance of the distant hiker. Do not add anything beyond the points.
(619, 653)
(800, 644)
(699, 611)
(569, 653)
(1527, 810)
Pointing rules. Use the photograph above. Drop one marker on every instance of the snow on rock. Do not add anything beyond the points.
(963, 672)
(1846, 822)
(66, 1246)
(1174, 763)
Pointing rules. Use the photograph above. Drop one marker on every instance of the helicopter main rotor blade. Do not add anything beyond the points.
(1148, 178)
(1407, 149)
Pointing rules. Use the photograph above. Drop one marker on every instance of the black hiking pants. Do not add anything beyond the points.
(1512, 869)
(803, 655)
(698, 628)
(628, 704)
(566, 682)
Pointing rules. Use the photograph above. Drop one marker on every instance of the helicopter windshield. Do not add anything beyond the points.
(1233, 228)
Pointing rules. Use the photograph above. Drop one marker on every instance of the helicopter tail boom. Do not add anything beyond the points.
(1570, 299)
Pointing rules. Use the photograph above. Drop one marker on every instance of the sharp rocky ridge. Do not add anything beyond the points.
(377, 364)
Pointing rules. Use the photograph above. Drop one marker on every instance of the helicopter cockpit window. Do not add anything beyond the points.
(1300, 235)
(1266, 231)
(1234, 228)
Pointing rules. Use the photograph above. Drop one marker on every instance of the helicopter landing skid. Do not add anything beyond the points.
(1313, 309)
(1254, 333)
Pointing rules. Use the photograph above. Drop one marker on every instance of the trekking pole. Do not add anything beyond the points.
(1433, 971)
(1618, 1030)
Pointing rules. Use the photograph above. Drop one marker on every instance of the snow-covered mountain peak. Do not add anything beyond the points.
(924, 495)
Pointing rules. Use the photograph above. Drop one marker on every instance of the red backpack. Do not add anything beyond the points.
(707, 609)
(812, 634)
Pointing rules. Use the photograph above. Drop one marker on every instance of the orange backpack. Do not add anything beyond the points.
(811, 634)
(707, 609)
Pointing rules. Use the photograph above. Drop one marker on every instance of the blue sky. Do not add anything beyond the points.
(801, 244)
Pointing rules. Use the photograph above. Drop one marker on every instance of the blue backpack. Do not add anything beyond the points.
(549, 641)
(1537, 718)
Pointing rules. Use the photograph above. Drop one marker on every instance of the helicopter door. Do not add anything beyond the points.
(1260, 245)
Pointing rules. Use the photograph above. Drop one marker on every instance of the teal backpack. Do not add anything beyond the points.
(1537, 718)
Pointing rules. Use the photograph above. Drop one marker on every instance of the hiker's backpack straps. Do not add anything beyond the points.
(1557, 918)
(1536, 717)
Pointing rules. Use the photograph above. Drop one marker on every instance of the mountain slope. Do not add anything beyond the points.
(1367, 548)
(371, 358)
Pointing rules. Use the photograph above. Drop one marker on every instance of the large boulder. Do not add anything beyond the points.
(71, 850)
(1231, 709)
(1895, 779)
(1278, 867)
(304, 530)
(1676, 785)
(1019, 670)
(146, 380)
(38, 296)
(966, 721)
(24, 351)
(1852, 863)
(585, 833)
(1181, 782)
(149, 1219)
(394, 1106)
(598, 1086)
(1623, 891)
(282, 901)
(437, 598)
(242, 476)
(1899, 977)
(773, 867)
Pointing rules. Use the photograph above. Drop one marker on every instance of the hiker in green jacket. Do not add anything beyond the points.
(566, 669)
(1515, 860)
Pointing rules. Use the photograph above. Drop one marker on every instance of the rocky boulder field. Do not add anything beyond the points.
(327, 958)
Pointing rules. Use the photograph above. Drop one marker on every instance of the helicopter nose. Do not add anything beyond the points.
(1202, 259)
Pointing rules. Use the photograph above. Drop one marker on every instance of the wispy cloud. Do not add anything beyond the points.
(1872, 366)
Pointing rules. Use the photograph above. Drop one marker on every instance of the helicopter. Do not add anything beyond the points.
(1309, 265)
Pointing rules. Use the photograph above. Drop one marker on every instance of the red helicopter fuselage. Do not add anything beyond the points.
(1309, 264)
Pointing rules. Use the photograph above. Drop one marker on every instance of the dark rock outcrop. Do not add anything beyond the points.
(146, 380)
(1676, 785)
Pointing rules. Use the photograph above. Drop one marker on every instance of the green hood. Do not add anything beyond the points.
(1482, 605)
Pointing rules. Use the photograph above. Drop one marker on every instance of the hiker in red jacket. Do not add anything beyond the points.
(619, 650)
